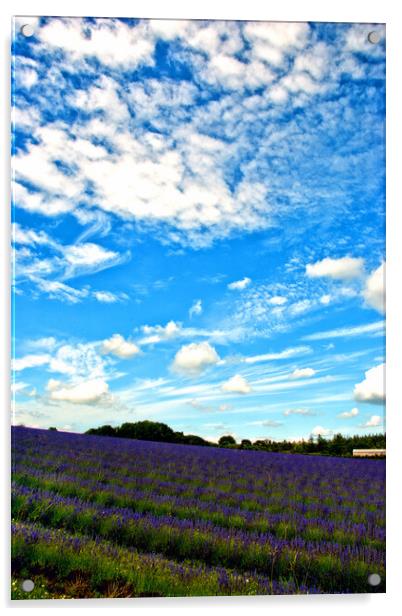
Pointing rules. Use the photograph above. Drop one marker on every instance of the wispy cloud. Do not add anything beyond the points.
(285, 354)
(374, 329)
(29, 361)
(271, 423)
(196, 308)
(302, 412)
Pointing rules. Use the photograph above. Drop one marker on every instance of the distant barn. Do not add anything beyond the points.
(368, 452)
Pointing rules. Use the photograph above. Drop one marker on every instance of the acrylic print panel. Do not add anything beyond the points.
(198, 308)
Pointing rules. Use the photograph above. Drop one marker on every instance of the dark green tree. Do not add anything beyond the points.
(226, 441)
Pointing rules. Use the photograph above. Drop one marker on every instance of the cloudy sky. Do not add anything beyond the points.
(199, 226)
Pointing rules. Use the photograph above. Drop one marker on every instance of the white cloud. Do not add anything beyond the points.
(112, 43)
(106, 297)
(349, 414)
(320, 431)
(30, 236)
(86, 392)
(345, 268)
(325, 299)
(358, 330)
(300, 306)
(37, 202)
(160, 178)
(116, 345)
(61, 291)
(271, 42)
(194, 358)
(84, 258)
(236, 384)
(29, 361)
(48, 343)
(277, 300)
(196, 308)
(18, 386)
(304, 412)
(271, 423)
(291, 352)
(373, 422)
(79, 361)
(53, 384)
(374, 291)
(372, 388)
(159, 333)
(300, 373)
(165, 333)
(239, 285)
(87, 254)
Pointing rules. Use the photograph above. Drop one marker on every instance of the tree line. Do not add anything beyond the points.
(337, 445)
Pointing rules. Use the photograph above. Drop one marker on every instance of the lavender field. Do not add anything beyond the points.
(106, 517)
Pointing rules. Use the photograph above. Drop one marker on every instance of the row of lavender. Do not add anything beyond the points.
(285, 523)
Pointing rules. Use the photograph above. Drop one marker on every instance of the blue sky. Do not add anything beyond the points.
(199, 226)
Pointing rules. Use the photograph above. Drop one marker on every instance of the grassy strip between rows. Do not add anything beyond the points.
(325, 570)
(67, 566)
(284, 529)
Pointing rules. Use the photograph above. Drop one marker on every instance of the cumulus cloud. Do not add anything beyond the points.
(196, 308)
(321, 431)
(372, 388)
(374, 290)
(300, 373)
(373, 422)
(239, 285)
(345, 268)
(194, 358)
(349, 414)
(158, 333)
(85, 392)
(116, 345)
(236, 384)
